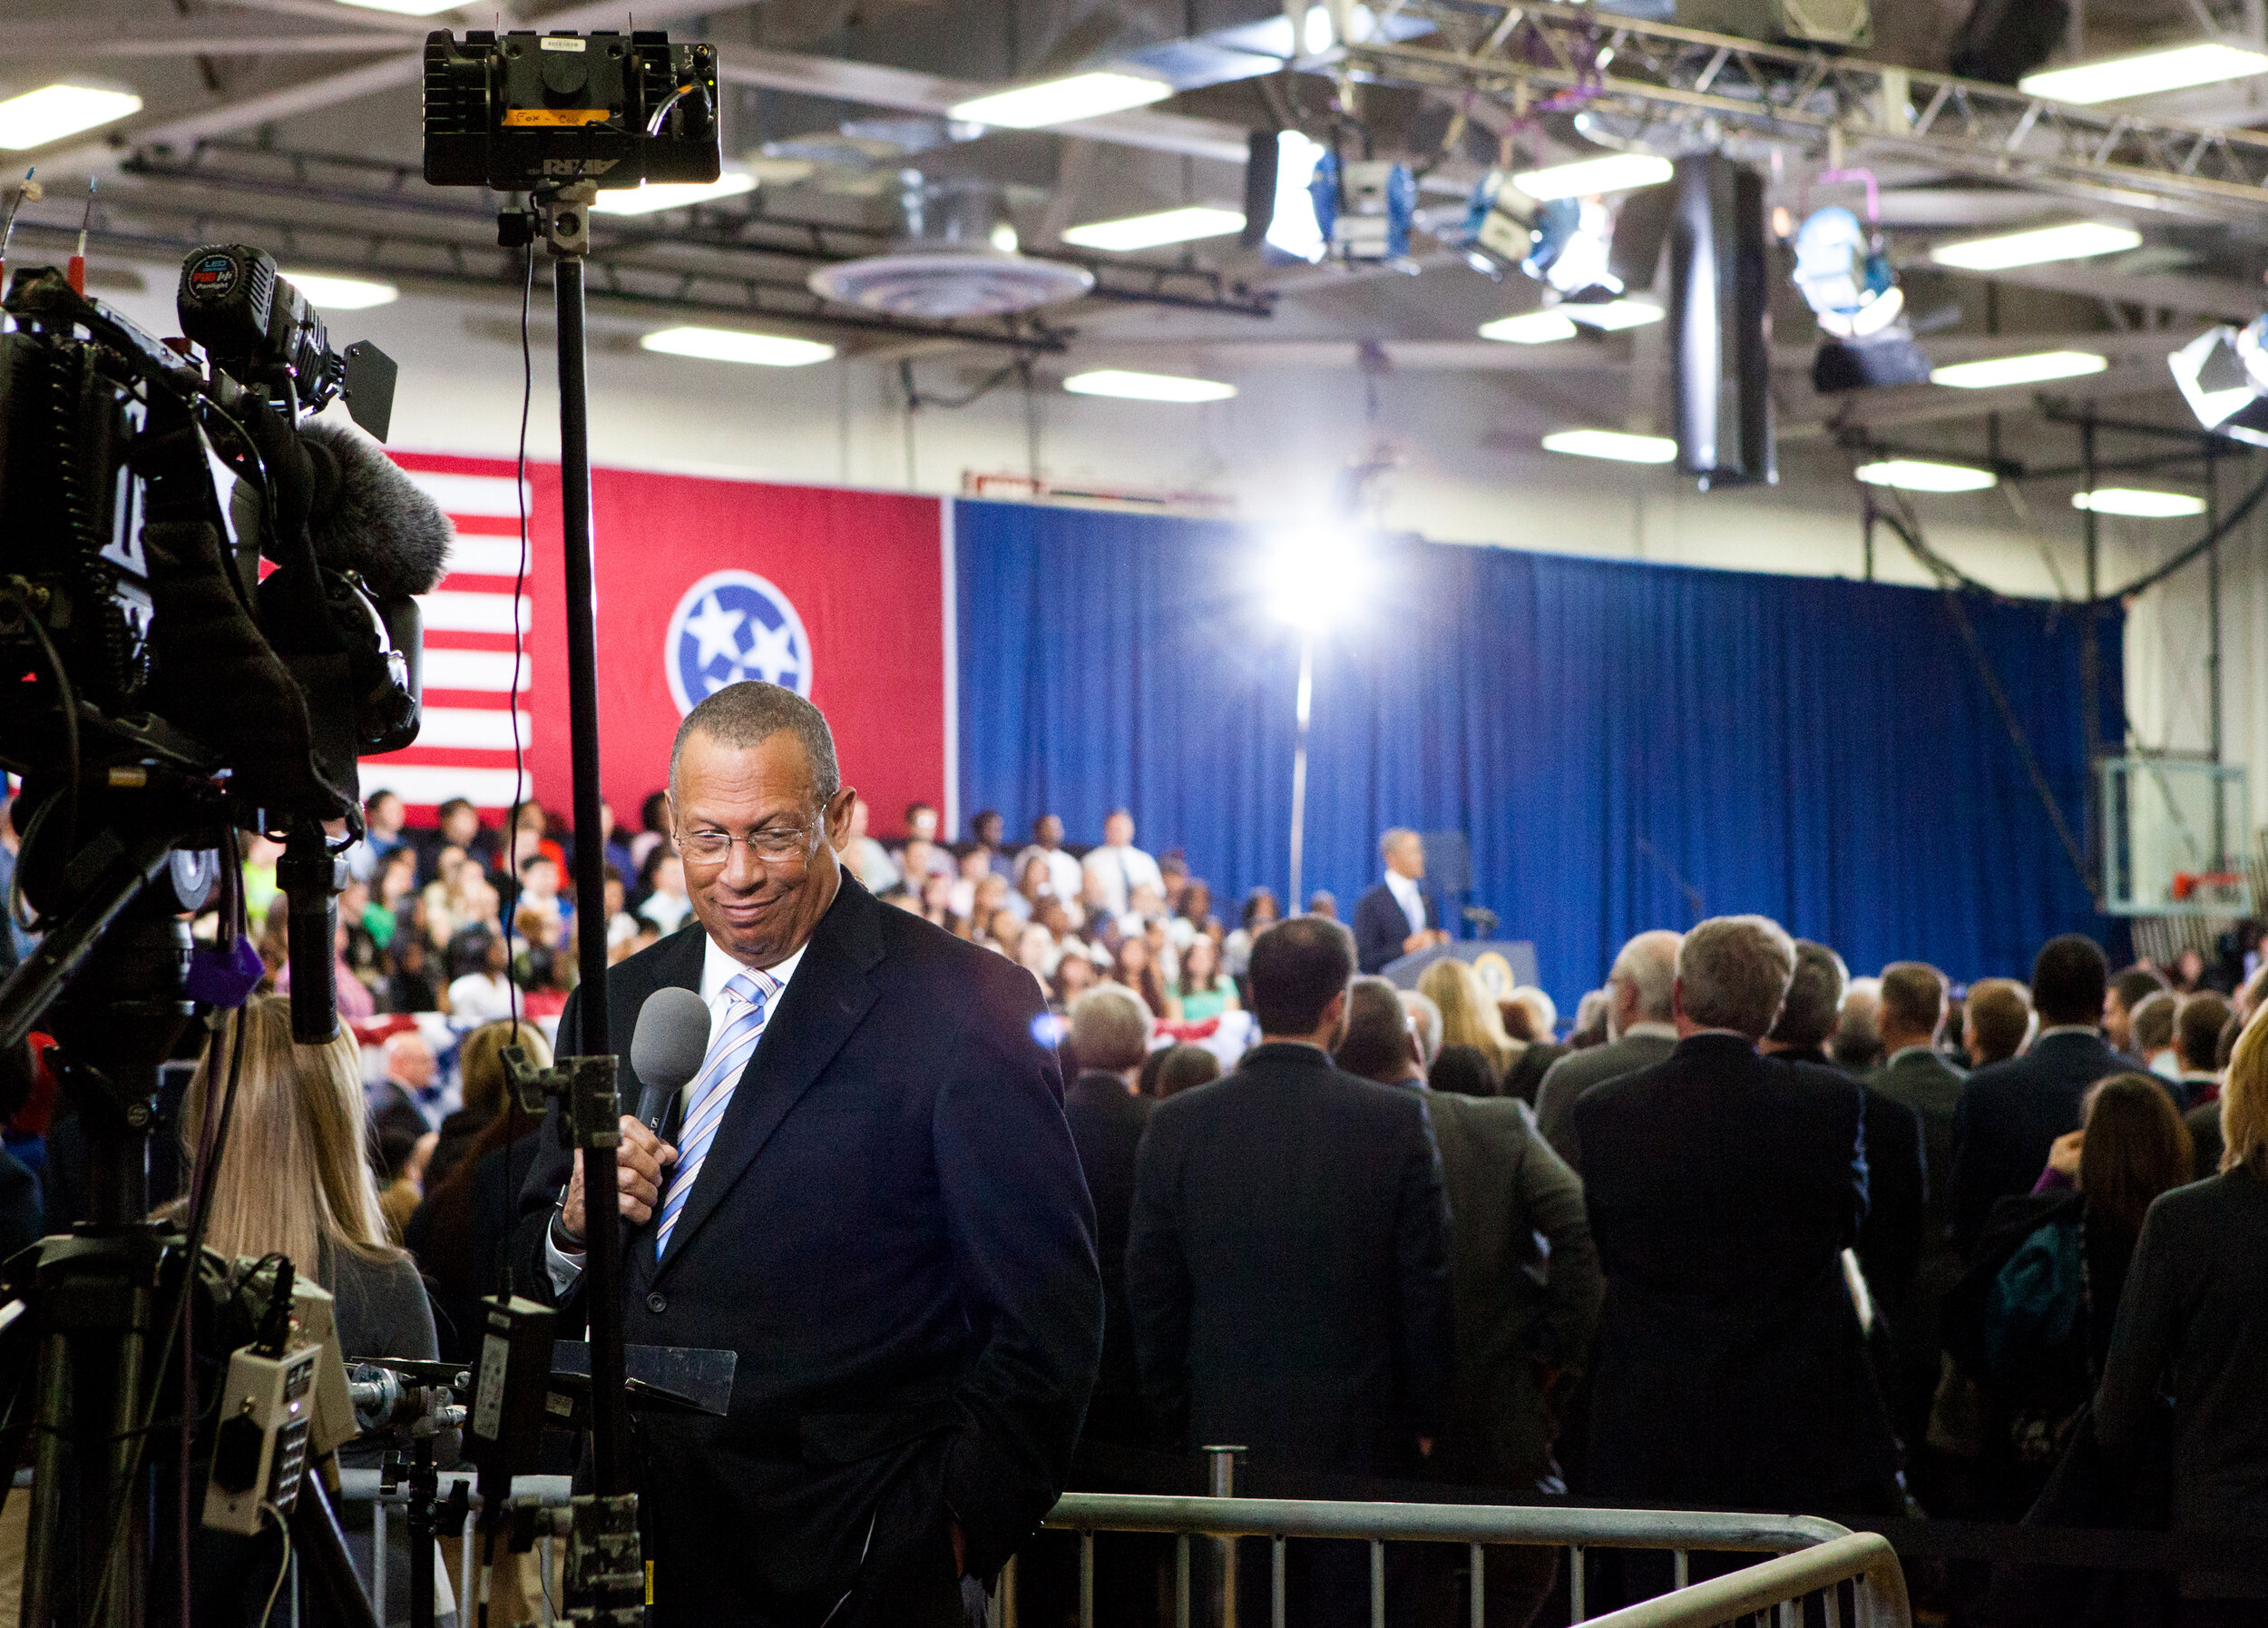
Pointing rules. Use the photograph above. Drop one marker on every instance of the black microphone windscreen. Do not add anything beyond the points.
(368, 517)
(670, 1039)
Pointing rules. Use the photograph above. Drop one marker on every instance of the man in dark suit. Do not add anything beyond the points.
(1526, 1288)
(1897, 1183)
(1723, 1190)
(1639, 1034)
(1914, 1074)
(1287, 1268)
(2011, 1112)
(1111, 1030)
(869, 1192)
(1393, 920)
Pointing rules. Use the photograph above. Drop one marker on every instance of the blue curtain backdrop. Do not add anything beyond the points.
(1626, 745)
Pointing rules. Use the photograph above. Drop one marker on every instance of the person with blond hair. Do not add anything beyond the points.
(292, 1179)
(2192, 1325)
(1468, 1017)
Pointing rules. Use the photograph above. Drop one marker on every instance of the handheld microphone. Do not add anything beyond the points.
(666, 1050)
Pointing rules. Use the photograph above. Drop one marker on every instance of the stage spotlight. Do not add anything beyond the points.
(1499, 229)
(1570, 246)
(1279, 210)
(1316, 578)
(1363, 209)
(2223, 377)
(1844, 276)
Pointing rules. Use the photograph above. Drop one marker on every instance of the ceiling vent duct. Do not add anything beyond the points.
(957, 258)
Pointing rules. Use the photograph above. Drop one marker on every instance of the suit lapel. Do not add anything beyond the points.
(825, 1002)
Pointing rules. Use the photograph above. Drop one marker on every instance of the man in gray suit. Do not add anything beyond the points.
(1527, 1292)
(1639, 1034)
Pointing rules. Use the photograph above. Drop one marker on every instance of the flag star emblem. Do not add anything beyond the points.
(730, 626)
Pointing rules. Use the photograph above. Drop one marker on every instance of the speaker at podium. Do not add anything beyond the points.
(1502, 964)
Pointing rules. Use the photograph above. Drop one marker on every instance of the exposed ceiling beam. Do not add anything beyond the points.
(909, 90)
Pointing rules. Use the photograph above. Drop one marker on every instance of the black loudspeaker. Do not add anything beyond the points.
(1720, 326)
(1260, 164)
(2003, 40)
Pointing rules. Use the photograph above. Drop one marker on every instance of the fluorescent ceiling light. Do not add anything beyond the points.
(2142, 504)
(408, 8)
(328, 293)
(2207, 61)
(1917, 475)
(2076, 240)
(2035, 368)
(1147, 386)
(728, 345)
(1613, 173)
(650, 197)
(1530, 328)
(1612, 316)
(38, 117)
(1166, 226)
(1061, 101)
(1612, 444)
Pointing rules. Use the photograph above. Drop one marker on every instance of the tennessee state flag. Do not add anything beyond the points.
(698, 582)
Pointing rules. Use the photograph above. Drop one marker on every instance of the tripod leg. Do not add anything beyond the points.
(53, 1414)
(321, 1548)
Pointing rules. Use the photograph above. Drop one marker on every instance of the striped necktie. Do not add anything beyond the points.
(748, 1001)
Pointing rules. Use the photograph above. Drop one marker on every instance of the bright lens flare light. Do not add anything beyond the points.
(38, 117)
(2074, 241)
(1615, 314)
(1613, 173)
(2208, 62)
(1612, 444)
(1530, 328)
(1316, 579)
(327, 293)
(2035, 368)
(650, 197)
(724, 344)
(1147, 386)
(2139, 504)
(1149, 231)
(1291, 228)
(1917, 475)
(1061, 101)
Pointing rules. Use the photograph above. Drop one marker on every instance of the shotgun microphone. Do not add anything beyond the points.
(666, 1050)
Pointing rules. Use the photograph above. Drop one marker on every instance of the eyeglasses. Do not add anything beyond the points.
(773, 845)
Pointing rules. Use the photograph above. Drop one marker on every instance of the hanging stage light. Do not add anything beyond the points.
(1847, 281)
(1365, 208)
(1499, 225)
(2224, 376)
(1571, 248)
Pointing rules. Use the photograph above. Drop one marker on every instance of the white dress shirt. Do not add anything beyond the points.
(1118, 870)
(1407, 894)
(718, 966)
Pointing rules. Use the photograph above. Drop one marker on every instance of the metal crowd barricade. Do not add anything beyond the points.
(364, 1487)
(1816, 1557)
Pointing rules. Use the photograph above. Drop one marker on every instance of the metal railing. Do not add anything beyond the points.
(364, 1487)
(1815, 1557)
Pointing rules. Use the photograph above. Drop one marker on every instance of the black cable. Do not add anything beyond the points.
(512, 702)
(69, 696)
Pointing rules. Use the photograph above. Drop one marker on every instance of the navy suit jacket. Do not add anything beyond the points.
(892, 1231)
(2011, 1115)
(1723, 1188)
(1380, 926)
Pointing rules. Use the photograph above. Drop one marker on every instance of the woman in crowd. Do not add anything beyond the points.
(666, 905)
(653, 819)
(479, 991)
(1468, 1017)
(1205, 990)
(2191, 1326)
(1136, 967)
(988, 915)
(1538, 1019)
(1075, 975)
(937, 901)
(293, 1180)
(1195, 919)
(1236, 951)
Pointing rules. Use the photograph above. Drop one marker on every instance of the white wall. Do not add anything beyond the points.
(1470, 471)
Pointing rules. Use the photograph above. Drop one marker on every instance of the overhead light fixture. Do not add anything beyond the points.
(1614, 315)
(1185, 225)
(1530, 328)
(407, 8)
(651, 197)
(1147, 386)
(731, 344)
(1610, 172)
(1293, 231)
(1919, 475)
(1843, 275)
(1611, 444)
(1061, 101)
(2219, 373)
(328, 293)
(53, 111)
(2139, 504)
(2074, 241)
(2145, 73)
(2035, 368)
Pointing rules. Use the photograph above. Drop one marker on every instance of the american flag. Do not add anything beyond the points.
(464, 748)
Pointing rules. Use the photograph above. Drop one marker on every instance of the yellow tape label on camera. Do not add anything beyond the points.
(524, 118)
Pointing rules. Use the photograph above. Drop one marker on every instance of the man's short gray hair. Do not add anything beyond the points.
(1649, 964)
(1110, 1028)
(750, 713)
(1733, 972)
(1390, 839)
(1425, 1016)
(1815, 996)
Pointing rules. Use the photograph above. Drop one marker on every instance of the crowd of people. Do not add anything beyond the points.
(1752, 1233)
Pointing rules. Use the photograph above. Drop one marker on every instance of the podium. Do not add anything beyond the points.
(1504, 963)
